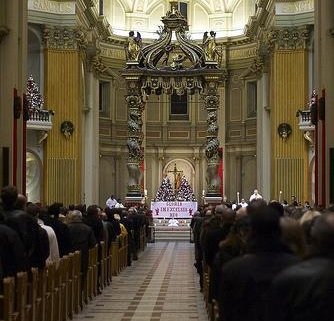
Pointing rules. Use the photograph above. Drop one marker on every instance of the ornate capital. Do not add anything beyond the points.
(97, 65)
(64, 38)
(288, 38)
(256, 68)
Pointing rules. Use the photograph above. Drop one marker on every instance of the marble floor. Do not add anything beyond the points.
(161, 286)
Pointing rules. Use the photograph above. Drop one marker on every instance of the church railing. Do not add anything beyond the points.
(40, 119)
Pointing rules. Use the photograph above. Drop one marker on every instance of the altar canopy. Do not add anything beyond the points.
(167, 210)
(166, 67)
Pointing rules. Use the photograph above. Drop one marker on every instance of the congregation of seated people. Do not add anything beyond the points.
(35, 236)
(267, 261)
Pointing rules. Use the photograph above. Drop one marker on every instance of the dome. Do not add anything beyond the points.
(226, 17)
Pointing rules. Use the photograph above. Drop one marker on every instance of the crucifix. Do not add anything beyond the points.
(176, 174)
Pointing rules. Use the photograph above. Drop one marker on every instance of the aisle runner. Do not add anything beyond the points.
(161, 286)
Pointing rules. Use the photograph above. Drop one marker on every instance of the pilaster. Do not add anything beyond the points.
(64, 94)
(289, 91)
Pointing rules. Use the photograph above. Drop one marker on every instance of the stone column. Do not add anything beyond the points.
(211, 103)
(135, 137)
(91, 140)
(263, 139)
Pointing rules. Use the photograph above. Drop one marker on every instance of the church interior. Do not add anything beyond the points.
(93, 117)
(160, 116)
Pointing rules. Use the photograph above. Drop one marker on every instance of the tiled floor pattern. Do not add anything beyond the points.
(161, 286)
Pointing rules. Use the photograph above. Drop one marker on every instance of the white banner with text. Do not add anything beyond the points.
(175, 209)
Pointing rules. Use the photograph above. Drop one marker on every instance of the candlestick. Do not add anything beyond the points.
(238, 197)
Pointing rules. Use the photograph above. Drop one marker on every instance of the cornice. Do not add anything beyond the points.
(90, 18)
(259, 20)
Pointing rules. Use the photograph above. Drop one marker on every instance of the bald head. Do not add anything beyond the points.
(21, 202)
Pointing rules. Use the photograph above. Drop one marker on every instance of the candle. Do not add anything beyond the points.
(280, 196)
(238, 197)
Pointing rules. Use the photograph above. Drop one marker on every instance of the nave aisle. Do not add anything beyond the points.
(161, 286)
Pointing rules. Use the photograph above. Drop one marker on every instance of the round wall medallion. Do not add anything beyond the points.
(67, 128)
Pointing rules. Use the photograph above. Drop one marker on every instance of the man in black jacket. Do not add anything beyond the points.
(305, 291)
(246, 280)
(33, 237)
(82, 237)
(60, 228)
(12, 254)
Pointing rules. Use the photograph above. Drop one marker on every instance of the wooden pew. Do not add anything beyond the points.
(33, 306)
(41, 294)
(77, 291)
(114, 257)
(7, 300)
(70, 286)
(51, 292)
(55, 293)
(102, 265)
(63, 278)
(109, 265)
(24, 309)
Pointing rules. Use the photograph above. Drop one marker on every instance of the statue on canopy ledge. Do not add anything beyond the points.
(133, 46)
(210, 46)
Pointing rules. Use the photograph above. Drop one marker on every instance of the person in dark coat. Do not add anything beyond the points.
(246, 280)
(218, 232)
(82, 237)
(110, 212)
(233, 246)
(60, 228)
(305, 291)
(12, 254)
(92, 219)
(128, 224)
(32, 236)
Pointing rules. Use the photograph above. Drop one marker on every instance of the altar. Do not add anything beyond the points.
(173, 210)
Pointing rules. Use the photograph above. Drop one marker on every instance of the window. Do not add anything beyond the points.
(101, 7)
(183, 8)
(104, 96)
(178, 107)
(251, 99)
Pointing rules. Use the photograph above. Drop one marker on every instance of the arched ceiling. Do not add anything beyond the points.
(212, 5)
(226, 17)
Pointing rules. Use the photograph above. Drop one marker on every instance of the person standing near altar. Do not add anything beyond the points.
(255, 196)
(243, 203)
(111, 202)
